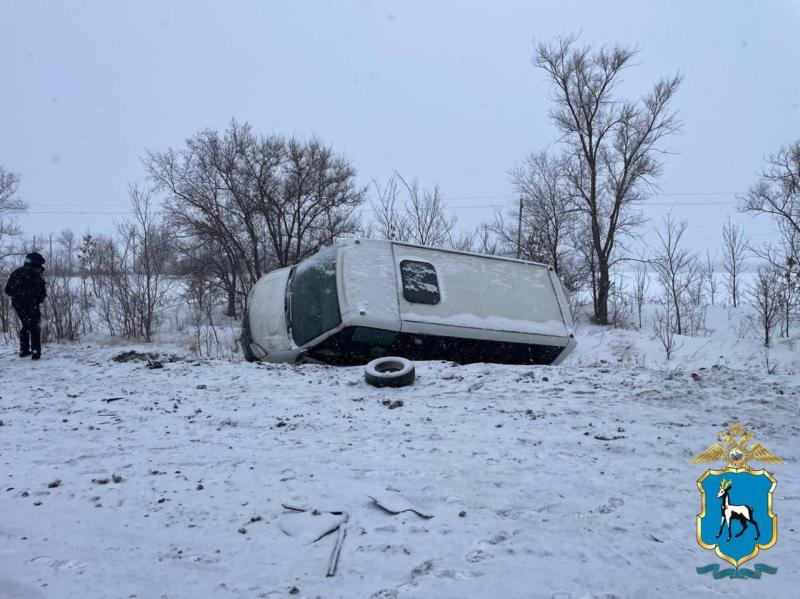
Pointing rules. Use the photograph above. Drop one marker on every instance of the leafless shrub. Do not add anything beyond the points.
(62, 308)
(62, 312)
(695, 307)
(734, 252)
(677, 269)
(710, 275)
(203, 300)
(764, 295)
(619, 307)
(790, 293)
(129, 275)
(87, 254)
(664, 327)
(641, 283)
(745, 327)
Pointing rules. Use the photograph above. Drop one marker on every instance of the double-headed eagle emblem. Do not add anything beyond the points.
(736, 454)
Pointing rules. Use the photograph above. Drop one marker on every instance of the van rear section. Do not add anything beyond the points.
(475, 308)
(445, 291)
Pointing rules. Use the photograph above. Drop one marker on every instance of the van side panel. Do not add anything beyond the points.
(367, 285)
(482, 293)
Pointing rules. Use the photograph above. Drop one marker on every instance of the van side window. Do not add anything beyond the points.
(420, 285)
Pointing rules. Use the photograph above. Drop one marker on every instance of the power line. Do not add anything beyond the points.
(85, 207)
(78, 212)
(667, 194)
(476, 207)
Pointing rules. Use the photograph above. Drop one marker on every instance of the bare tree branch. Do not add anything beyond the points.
(614, 145)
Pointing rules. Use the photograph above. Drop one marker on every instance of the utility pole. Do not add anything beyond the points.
(519, 229)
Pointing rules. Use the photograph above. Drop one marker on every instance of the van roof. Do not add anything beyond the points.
(438, 249)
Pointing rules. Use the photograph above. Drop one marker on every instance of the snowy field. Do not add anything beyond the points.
(570, 481)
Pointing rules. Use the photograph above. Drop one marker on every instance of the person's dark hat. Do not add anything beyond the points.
(35, 259)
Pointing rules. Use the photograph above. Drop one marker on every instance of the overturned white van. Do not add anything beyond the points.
(360, 299)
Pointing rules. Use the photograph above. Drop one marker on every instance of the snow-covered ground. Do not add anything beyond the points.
(569, 481)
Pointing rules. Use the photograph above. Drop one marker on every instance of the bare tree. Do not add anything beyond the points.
(317, 203)
(207, 218)
(711, 276)
(404, 211)
(517, 238)
(203, 298)
(485, 241)
(781, 260)
(389, 220)
(734, 251)
(254, 202)
(641, 283)
(546, 207)
(66, 242)
(149, 247)
(480, 239)
(107, 271)
(87, 255)
(614, 145)
(426, 220)
(9, 204)
(777, 193)
(764, 295)
(676, 267)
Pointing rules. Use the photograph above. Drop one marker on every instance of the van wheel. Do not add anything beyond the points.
(390, 372)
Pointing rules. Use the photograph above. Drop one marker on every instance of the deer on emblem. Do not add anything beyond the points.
(742, 513)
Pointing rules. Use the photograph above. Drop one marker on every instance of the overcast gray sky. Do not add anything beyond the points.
(441, 91)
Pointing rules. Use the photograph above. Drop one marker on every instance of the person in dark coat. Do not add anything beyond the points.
(26, 287)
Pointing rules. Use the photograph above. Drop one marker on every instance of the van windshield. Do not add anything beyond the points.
(314, 302)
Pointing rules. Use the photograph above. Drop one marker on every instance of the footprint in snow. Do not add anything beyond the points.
(611, 506)
(424, 568)
(59, 564)
(456, 574)
(500, 537)
(478, 555)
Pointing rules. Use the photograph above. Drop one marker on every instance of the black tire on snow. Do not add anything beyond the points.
(390, 371)
(246, 338)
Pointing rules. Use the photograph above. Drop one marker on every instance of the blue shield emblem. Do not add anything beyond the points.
(736, 518)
